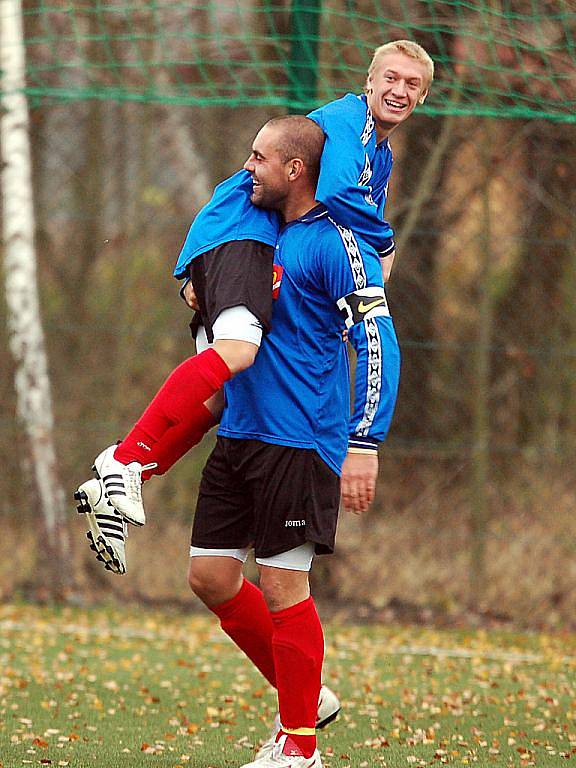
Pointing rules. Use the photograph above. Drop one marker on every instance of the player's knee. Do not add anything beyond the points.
(203, 582)
(273, 593)
(282, 588)
(196, 580)
(210, 583)
(238, 355)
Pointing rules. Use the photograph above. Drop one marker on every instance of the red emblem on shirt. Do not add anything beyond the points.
(277, 273)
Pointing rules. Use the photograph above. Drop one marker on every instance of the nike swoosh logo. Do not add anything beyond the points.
(367, 307)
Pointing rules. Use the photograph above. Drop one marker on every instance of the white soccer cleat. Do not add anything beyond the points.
(328, 708)
(123, 484)
(107, 529)
(286, 754)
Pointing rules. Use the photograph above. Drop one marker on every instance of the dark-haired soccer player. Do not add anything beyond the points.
(272, 482)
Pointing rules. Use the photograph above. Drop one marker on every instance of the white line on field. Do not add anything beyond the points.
(99, 631)
(402, 650)
(466, 653)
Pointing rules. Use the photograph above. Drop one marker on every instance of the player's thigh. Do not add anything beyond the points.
(296, 498)
(224, 517)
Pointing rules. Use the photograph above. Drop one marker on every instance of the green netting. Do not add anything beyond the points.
(504, 58)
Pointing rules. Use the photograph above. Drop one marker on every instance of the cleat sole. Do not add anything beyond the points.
(83, 507)
(99, 544)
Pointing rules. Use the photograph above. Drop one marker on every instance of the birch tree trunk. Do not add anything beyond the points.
(25, 330)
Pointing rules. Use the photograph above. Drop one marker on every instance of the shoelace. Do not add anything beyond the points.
(135, 480)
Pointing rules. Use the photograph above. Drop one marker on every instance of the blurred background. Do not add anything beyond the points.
(136, 111)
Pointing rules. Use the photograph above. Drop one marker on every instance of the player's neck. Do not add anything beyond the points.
(296, 206)
(383, 131)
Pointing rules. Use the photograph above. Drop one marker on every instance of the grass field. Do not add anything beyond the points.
(117, 689)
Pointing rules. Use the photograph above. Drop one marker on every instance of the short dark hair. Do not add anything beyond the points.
(303, 138)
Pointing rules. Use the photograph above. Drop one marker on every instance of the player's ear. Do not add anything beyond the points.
(423, 95)
(295, 168)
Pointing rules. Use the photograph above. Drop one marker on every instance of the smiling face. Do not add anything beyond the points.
(270, 172)
(396, 84)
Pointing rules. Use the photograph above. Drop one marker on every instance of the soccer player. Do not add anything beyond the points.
(272, 481)
(233, 238)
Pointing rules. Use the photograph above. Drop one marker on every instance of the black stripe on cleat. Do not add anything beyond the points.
(328, 720)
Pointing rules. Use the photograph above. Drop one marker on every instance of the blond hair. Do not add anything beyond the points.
(408, 48)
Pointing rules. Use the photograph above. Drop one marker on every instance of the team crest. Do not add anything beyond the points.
(277, 273)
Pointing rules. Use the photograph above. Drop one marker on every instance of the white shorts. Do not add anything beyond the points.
(297, 559)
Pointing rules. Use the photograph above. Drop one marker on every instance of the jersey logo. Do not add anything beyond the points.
(277, 273)
(363, 304)
(367, 307)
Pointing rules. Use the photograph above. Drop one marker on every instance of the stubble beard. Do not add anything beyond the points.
(270, 199)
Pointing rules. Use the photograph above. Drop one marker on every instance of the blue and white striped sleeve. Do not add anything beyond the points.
(364, 308)
(376, 382)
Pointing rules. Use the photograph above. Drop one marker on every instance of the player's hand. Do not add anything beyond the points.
(189, 296)
(358, 484)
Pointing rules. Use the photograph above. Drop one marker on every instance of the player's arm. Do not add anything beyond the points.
(352, 275)
(345, 185)
(375, 390)
(364, 309)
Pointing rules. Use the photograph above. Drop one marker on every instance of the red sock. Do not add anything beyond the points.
(179, 440)
(246, 619)
(298, 647)
(188, 386)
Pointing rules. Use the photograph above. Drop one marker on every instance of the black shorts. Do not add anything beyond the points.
(271, 497)
(231, 275)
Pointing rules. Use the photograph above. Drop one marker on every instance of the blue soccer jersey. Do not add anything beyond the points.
(297, 393)
(354, 175)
